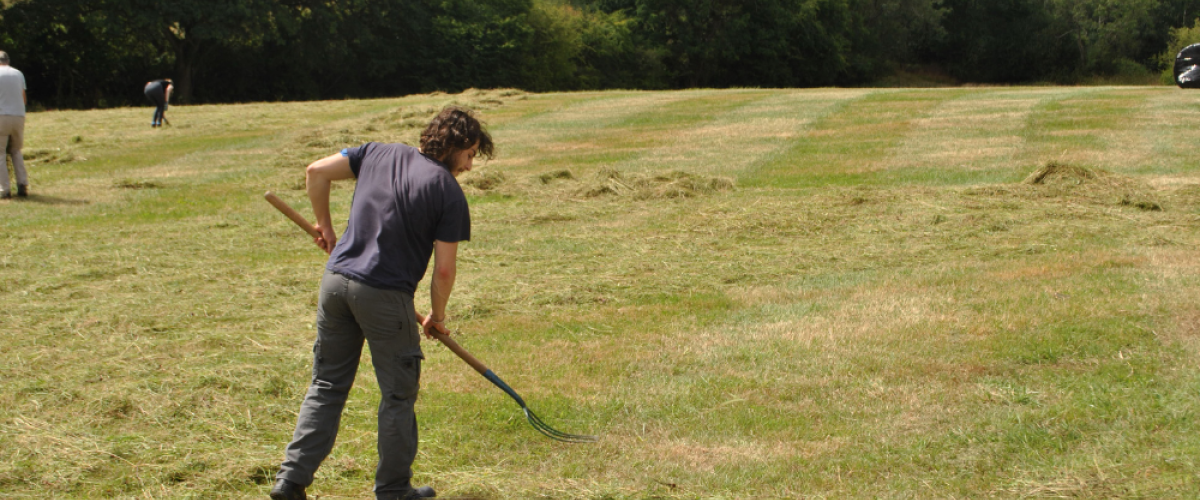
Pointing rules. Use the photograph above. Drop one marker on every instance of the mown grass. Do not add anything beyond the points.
(881, 308)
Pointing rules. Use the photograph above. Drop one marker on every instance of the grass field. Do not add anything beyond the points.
(826, 293)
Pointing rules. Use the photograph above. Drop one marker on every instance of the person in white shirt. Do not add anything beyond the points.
(12, 125)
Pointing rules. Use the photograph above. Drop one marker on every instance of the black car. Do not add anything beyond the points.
(1187, 67)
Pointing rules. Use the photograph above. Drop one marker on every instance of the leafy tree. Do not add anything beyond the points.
(1104, 31)
(75, 55)
(190, 29)
(82, 53)
(758, 43)
(613, 55)
(1003, 41)
(1168, 17)
(306, 58)
(897, 30)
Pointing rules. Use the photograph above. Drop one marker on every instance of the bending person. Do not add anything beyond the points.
(159, 94)
(407, 207)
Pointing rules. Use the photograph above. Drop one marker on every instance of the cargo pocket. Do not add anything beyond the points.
(408, 327)
(407, 380)
(317, 359)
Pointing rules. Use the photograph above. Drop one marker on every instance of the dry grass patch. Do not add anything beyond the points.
(735, 140)
(1185, 329)
(976, 131)
(1038, 271)
(587, 114)
(1176, 269)
(707, 458)
(1172, 181)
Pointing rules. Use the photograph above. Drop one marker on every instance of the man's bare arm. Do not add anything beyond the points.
(319, 176)
(445, 268)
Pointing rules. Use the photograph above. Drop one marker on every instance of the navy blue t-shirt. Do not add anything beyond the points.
(156, 91)
(403, 200)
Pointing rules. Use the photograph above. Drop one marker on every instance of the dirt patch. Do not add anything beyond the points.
(556, 175)
(135, 184)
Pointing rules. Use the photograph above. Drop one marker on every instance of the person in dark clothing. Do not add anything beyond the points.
(159, 94)
(407, 207)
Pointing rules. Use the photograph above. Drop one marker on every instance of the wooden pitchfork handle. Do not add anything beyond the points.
(291, 213)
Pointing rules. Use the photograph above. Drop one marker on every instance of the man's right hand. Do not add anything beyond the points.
(428, 326)
(327, 240)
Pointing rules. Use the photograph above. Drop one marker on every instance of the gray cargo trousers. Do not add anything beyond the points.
(347, 313)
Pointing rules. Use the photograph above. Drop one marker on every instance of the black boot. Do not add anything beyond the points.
(413, 494)
(422, 492)
(287, 490)
(22, 190)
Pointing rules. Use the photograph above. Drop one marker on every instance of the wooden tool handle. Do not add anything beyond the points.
(443, 338)
(292, 214)
(462, 353)
(457, 349)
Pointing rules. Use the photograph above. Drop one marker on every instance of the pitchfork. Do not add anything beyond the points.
(536, 422)
(532, 417)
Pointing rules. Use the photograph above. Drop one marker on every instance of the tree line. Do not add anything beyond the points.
(95, 53)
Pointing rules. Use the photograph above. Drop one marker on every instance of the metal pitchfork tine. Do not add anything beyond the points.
(536, 421)
(533, 419)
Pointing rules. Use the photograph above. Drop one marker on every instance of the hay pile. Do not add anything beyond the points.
(55, 156)
(607, 182)
(1098, 186)
(483, 180)
(402, 124)
(1055, 173)
(675, 184)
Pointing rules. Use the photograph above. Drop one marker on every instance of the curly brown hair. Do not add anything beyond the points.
(455, 129)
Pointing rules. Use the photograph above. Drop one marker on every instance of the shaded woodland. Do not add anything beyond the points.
(99, 53)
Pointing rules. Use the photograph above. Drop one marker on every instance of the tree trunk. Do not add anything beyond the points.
(187, 55)
(182, 80)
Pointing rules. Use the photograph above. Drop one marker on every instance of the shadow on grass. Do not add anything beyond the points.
(49, 200)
